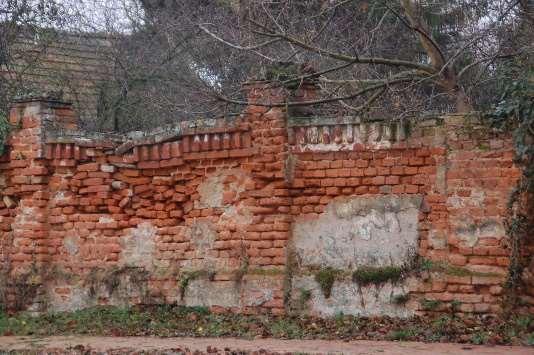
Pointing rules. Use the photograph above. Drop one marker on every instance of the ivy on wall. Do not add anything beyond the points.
(5, 128)
(514, 112)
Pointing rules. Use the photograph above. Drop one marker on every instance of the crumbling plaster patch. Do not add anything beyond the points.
(78, 297)
(59, 196)
(204, 292)
(350, 298)
(238, 214)
(71, 244)
(212, 189)
(118, 287)
(372, 230)
(252, 291)
(26, 216)
(469, 232)
(211, 192)
(438, 239)
(475, 199)
(220, 190)
(260, 289)
(202, 235)
(138, 246)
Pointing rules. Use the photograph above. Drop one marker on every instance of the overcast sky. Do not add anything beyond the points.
(104, 15)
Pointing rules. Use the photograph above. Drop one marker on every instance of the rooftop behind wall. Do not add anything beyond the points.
(247, 215)
(73, 64)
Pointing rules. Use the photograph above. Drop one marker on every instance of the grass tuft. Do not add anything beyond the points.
(430, 305)
(326, 278)
(401, 299)
(179, 321)
(376, 275)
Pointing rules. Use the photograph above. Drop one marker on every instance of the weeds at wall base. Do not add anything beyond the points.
(430, 305)
(377, 275)
(326, 278)
(111, 279)
(401, 299)
(169, 320)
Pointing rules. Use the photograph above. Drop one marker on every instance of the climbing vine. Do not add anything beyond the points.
(515, 112)
(5, 128)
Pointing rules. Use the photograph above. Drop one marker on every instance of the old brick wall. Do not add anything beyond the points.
(243, 215)
(464, 174)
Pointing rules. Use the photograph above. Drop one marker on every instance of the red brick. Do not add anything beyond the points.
(89, 167)
(370, 172)
(148, 165)
(35, 170)
(258, 198)
(392, 180)
(379, 180)
(397, 189)
(456, 259)
(411, 189)
(410, 170)
(92, 181)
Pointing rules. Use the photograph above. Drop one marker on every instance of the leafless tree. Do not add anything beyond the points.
(169, 60)
(388, 57)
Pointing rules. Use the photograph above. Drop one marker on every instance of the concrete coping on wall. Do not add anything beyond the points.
(430, 119)
(126, 141)
(389, 130)
(84, 138)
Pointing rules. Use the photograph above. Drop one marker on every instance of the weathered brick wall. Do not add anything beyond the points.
(464, 174)
(244, 215)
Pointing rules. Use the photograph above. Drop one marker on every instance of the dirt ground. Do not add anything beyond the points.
(125, 345)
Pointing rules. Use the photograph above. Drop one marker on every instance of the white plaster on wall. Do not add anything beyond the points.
(350, 298)
(138, 246)
(373, 230)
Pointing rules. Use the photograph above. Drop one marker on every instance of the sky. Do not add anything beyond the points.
(85, 15)
(105, 15)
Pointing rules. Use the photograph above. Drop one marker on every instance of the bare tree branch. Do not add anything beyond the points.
(235, 46)
(344, 57)
(314, 102)
(488, 59)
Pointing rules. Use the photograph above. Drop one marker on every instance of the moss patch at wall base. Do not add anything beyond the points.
(376, 275)
(326, 278)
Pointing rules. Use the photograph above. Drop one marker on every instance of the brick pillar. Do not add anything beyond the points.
(24, 224)
(272, 170)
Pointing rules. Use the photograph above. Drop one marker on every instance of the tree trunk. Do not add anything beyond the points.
(462, 101)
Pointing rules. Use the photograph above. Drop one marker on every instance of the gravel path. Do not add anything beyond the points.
(125, 345)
